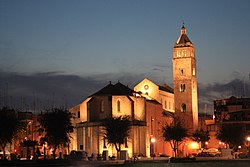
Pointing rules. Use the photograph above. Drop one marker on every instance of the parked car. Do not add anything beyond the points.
(212, 152)
(78, 155)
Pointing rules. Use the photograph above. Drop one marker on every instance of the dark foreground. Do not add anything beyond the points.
(140, 163)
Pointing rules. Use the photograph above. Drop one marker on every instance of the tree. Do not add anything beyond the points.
(57, 125)
(9, 126)
(201, 136)
(174, 134)
(232, 134)
(116, 131)
(28, 144)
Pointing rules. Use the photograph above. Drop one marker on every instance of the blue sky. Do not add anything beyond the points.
(123, 39)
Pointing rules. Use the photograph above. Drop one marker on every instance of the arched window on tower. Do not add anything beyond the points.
(182, 71)
(183, 107)
(178, 54)
(118, 106)
(182, 88)
(184, 53)
(193, 72)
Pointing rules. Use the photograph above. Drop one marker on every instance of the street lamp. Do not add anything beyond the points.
(206, 143)
(153, 140)
(248, 138)
(152, 143)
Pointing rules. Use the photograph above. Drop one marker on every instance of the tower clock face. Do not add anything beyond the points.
(146, 87)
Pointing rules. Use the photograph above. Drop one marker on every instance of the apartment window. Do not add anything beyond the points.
(78, 114)
(169, 106)
(102, 106)
(165, 104)
(183, 107)
(81, 147)
(183, 88)
(118, 106)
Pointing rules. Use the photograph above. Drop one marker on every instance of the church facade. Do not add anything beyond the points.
(150, 107)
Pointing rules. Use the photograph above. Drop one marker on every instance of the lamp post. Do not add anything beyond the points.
(152, 139)
(152, 143)
(248, 144)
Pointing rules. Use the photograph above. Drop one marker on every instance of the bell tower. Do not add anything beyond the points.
(185, 82)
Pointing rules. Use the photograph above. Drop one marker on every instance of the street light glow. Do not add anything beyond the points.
(153, 140)
(194, 145)
(248, 138)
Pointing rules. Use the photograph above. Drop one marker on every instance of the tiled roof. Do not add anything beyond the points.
(166, 88)
(183, 39)
(117, 89)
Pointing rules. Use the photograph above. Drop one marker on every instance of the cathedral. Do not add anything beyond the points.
(149, 105)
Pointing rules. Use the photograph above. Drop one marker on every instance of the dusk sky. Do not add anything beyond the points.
(68, 49)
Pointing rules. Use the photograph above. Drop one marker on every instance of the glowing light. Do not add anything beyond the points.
(153, 140)
(206, 143)
(194, 145)
(248, 138)
(239, 146)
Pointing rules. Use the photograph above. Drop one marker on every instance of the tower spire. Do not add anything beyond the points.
(183, 38)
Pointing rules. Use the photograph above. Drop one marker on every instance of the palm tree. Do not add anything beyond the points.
(116, 131)
(57, 125)
(174, 134)
(9, 126)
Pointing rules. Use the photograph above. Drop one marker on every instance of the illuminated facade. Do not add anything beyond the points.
(111, 101)
(185, 82)
(162, 94)
(149, 104)
(147, 114)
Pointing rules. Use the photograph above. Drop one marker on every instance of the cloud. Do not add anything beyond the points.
(220, 90)
(55, 88)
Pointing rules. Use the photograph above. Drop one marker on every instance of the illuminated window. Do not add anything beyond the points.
(178, 54)
(102, 106)
(183, 107)
(183, 88)
(118, 106)
(184, 53)
(193, 71)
